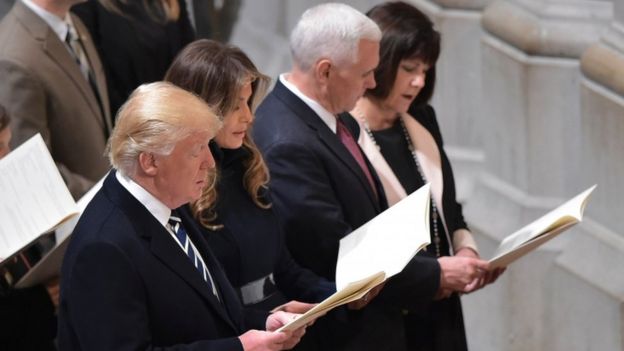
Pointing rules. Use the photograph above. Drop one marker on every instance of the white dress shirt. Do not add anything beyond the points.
(327, 117)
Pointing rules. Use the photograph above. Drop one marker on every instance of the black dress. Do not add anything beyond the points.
(439, 325)
(134, 48)
(250, 245)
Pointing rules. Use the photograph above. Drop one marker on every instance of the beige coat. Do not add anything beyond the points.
(44, 91)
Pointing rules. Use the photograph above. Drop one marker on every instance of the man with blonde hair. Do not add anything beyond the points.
(135, 276)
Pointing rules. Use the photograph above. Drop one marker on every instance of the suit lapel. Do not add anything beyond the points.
(327, 137)
(162, 244)
(56, 50)
(229, 298)
(96, 69)
(164, 247)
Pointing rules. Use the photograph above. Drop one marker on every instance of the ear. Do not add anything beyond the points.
(322, 70)
(147, 164)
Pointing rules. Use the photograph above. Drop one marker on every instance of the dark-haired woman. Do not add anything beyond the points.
(401, 138)
(236, 210)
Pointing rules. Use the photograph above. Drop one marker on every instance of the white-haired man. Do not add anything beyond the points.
(136, 277)
(323, 186)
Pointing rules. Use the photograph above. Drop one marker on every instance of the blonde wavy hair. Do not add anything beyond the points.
(153, 120)
(217, 72)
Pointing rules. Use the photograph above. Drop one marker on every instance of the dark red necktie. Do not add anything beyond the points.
(349, 142)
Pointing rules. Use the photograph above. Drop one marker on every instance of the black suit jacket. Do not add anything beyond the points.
(321, 195)
(250, 244)
(127, 285)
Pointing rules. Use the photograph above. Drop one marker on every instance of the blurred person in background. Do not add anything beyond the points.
(136, 40)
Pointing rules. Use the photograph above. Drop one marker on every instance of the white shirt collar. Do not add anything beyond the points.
(159, 210)
(58, 25)
(327, 117)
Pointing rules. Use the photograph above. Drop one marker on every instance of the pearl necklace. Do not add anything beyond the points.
(412, 149)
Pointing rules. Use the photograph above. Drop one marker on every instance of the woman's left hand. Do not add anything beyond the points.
(488, 277)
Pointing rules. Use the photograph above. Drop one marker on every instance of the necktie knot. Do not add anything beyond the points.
(72, 39)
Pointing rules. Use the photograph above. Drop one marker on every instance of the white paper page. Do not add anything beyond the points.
(34, 198)
(569, 212)
(63, 231)
(50, 264)
(387, 242)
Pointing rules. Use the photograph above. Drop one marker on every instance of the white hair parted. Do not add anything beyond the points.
(332, 31)
(153, 120)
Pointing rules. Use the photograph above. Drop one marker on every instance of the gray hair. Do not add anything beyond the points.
(154, 119)
(331, 31)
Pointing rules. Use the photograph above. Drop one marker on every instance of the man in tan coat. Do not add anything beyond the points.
(53, 83)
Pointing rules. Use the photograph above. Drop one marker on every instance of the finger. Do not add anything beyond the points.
(497, 273)
(482, 265)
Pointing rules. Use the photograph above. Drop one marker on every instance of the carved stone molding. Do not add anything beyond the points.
(603, 62)
(463, 4)
(544, 28)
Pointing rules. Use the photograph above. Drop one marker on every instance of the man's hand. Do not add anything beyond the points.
(280, 318)
(256, 340)
(294, 307)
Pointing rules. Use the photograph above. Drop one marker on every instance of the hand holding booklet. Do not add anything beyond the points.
(541, 230)
(376, 251)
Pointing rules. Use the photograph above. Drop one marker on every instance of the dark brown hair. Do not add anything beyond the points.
(4, 118)
(407, 34)
(217, 72)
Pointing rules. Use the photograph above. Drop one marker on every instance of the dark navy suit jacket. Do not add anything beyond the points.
(127, 285)
(321, 195)
(250, 244)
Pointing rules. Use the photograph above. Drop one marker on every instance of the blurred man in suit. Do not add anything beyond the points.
(135, 276)
(323, 185)
(53, 83)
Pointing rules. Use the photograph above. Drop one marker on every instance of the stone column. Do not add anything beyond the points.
(532, 138)
(590, 264)
(457, 98)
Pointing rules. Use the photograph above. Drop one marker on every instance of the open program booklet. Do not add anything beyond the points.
(35, 200)
(376, 251)
(49, 265)
(541, 230)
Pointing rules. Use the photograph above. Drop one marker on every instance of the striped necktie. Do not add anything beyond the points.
(75, 45)
(77, 50)
(175, 223)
